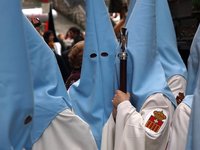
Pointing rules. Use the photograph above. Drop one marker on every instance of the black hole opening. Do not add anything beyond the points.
(93, 55)
(104, 54)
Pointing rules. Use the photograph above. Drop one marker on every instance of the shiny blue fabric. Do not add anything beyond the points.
(193, 87)
(166, 42)
(16, 97)
(92, 97)
(50, 95)
(145, 73)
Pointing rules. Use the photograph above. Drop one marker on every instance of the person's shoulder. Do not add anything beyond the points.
(158, 97)
(158, 100)
(183, 108)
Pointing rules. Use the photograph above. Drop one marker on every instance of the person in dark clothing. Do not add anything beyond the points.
(61, 63)
(63, 69)
(74, 35)
(75, 59)
(48, 38)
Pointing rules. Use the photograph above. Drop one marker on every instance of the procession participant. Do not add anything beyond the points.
(172, 63)
(55, 126)
(193, 134)
(92, 94)
(180, 123)
(143, 122)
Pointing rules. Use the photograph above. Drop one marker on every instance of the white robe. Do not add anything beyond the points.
(177, 84)
(179, 128)
(130, 131)
(66, 132)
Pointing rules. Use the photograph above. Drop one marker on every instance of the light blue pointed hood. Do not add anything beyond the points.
(193, 88)
(193, 134)
(50, 95)
(145, 73)
(92, 97)
(16, 96)
(166, 42)
(193, 68)
(193, 63)
(194, 77)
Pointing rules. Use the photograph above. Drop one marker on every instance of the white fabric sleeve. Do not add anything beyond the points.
(144, 130)
(177, 84)
(108, 134)
(179, 128)
(66, 132)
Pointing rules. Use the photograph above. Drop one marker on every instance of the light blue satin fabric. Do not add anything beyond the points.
(50, 95)
(92, 97)
(193, 88)
(145, 73)
(16, 97)
(166, 42)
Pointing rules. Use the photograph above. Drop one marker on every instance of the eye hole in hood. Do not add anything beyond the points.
(104, 54)
(93, 55)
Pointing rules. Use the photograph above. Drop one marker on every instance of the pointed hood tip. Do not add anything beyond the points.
(142, 50)
(166, 42)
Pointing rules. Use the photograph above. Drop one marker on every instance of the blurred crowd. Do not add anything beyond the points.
(68, 50)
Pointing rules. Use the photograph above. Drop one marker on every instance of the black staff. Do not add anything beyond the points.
(123, 60)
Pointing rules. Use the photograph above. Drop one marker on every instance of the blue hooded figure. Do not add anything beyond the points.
(180, 124)
(193, 63)
(193, 134)
(144, 113)
(92, 94)
(16, 94)
(193, 68)
(193, 89)
(50, 96)
(55, 126)
(172, 63)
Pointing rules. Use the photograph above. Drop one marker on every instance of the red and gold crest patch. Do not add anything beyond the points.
(155, 121)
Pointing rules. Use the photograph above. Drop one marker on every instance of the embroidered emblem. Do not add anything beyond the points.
(180, 97)
(155, 121)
